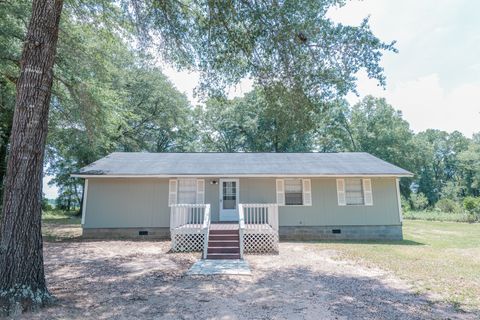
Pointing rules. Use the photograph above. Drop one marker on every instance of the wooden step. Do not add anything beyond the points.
(223, 237)
(223, 250)
(230, 232)
(223, 256)
(224, 243)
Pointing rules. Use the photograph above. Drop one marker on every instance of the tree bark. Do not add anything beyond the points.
(22, 278)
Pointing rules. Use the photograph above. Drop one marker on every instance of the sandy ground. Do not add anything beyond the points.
(141, 280)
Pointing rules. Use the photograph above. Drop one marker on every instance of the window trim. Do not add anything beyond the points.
(281, 194)
(342, 194)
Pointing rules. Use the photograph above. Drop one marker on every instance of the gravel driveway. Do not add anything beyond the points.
(141, 280)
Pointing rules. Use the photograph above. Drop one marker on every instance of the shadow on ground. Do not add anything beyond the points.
(132, 280)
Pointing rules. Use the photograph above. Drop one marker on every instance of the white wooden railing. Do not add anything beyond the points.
(258, 215)
(189, 215)
(206, 227)
(190, 227)
(258, 227)
(241, 228)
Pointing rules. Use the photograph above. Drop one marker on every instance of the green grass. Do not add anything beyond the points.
(58, 225)
(61, 217)
(441, 259)
(440, 216)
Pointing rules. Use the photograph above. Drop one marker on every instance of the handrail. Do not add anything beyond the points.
(206, 228)
(241, 228)
(187, 214)
(260, 213)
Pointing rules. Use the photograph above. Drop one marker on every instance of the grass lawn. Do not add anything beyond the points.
(59, 225)
(441, 259)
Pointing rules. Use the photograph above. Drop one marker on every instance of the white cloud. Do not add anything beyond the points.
(426, 104)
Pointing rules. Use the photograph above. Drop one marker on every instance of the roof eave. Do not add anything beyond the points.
(249, 175)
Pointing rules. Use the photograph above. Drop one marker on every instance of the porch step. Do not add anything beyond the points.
(223, 237)
(223, 256)
(223, 250)
(223, 232)
(223, 244)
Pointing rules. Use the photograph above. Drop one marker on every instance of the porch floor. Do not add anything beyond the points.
(227, 226)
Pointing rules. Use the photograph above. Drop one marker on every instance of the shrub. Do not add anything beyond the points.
(418, 201)
(405, 204)
(472, 205)
(448, 205)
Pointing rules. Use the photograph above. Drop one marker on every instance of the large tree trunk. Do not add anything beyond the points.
(22, 278)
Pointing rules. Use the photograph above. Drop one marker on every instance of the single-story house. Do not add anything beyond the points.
(250, 199)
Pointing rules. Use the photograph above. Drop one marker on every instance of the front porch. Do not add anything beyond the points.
(256, 230)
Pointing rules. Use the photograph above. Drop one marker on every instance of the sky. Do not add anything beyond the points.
(434, 79)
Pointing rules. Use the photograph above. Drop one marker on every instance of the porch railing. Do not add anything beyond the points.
(190, 227)
(206, 227)
(188, 215)
(241, 228)
(258, 227)
(257, 215)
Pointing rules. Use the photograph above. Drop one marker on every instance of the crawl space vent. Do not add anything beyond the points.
(143, 233)
(336, 231)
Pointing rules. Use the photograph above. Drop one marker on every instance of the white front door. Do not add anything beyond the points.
(229, 199)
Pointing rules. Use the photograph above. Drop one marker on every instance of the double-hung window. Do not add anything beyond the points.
(354, 191)
(294, 192)
(187, 191)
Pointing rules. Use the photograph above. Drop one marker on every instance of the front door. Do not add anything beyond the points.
(228, 199)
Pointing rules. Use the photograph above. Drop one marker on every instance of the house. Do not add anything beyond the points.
(225, 204)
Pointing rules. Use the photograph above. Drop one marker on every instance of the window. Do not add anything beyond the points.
(187, 191)
(354, 192)
(293, 192)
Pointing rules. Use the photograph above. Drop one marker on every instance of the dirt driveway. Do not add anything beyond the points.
(141, 280)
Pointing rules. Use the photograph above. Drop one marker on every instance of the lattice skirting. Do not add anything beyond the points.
(186, 242)
(260, 243)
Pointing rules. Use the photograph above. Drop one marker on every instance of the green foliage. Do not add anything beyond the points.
(418, 201)
(293, 43)
(448, 205)
(472, 205)
(405, 204)
(436, 215)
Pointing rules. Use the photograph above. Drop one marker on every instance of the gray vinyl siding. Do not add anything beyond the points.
(325, 210)
(132, 202)
(127, 203)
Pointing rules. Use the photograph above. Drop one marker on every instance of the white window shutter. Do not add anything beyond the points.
(172, 192)
(341, 192)
(307, 192)
(367, 192)
(280, 192)
(200, 191)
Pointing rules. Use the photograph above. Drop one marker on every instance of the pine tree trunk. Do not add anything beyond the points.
(22, 278)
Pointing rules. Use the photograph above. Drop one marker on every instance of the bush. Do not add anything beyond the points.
(448, 205)
(440, 216)
(472, 205)
(405, 204)
(418, 201)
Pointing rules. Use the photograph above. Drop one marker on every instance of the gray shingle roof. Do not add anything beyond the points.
(240, 164)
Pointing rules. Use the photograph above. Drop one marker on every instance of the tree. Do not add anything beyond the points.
(22, 280)
(438, 161)
(292, 45)
(377, 128)
(469, 164)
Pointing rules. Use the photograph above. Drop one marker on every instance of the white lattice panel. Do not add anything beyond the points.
(185, 242)
(260, 242)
